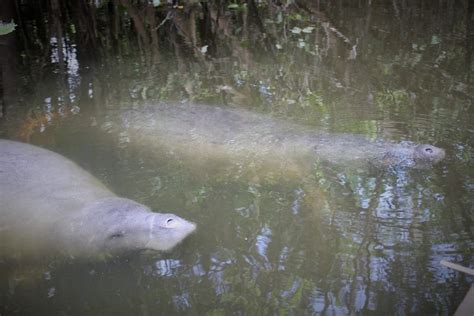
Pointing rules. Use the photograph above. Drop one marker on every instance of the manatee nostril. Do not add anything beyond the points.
(171, 222)
(429, 150)
(116, 235)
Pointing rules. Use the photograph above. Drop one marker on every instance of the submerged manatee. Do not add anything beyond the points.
(202, 134)
(50, 206)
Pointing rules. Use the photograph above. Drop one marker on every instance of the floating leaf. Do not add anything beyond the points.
(298, 17)
(301, 43)
(279, 18)
(278, 46)
(435, 40)
(308, 29)
(156, 3)
(204, 49)
(233, 6)
(296, 30)
(6, 28)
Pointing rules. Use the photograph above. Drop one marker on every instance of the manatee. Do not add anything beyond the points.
(214, 136)
(52, 207)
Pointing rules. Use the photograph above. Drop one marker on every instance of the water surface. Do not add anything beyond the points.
(339, 239)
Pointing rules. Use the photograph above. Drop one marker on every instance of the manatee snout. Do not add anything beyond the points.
(430, 153)
(167, 230)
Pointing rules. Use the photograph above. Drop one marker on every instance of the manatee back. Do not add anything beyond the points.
(32, 173)
(39, 188)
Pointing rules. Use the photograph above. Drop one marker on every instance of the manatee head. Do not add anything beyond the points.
(132, 226)
(411, 155)
(113, 226)
(429, 153)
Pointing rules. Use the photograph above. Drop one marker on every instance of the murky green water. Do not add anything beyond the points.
(325, 239)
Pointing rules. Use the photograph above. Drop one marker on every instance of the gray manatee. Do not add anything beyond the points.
(50, 206)
(198, 133)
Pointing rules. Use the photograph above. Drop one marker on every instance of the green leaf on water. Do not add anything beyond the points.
(296, 30)
(279, 18)
(435, 40)
(6, 28)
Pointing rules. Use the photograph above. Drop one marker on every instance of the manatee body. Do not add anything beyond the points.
(50, 206)
(243, 139)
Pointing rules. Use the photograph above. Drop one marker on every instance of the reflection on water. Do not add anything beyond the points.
(335, 239)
